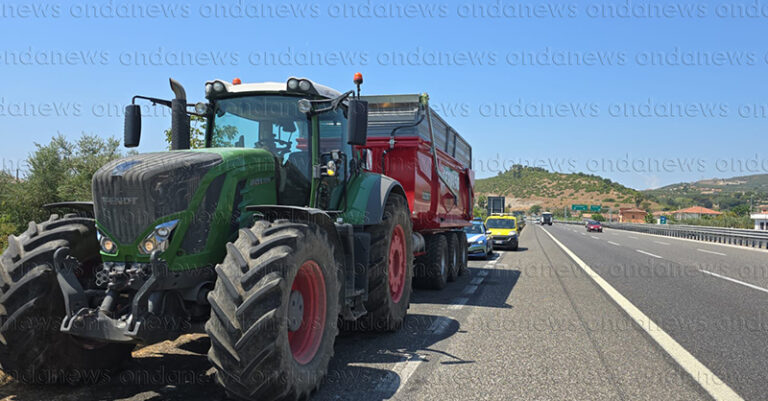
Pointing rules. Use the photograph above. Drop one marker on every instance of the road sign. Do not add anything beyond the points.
(663, 220)
(578, 207)
(595, 208)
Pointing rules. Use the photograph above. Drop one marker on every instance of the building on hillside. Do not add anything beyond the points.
(631, 215)
(761, 219)
(694, 212)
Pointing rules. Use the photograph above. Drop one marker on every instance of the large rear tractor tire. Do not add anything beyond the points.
(274, 312)
(432, 268)
(32, 349)
(391, 270)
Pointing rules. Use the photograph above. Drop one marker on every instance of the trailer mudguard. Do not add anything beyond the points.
(366, 197)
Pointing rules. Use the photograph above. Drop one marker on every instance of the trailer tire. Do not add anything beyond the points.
(33, 349)
(463, 254)
(432, 268)
(275, 277)
(389, 289)
(454, 255)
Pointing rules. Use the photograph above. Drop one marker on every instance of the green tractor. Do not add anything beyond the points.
(275, 234)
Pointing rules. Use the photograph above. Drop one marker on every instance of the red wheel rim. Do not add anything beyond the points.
(310, 283)
(397, 264)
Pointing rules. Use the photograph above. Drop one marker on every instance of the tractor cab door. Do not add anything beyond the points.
(334, 159)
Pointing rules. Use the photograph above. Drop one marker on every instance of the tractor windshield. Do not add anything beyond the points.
(273, 123)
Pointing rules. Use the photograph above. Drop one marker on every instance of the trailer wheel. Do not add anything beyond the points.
(33, 350)
(432, 268)
(463, 254)
(391, 270)
(454, 255)
(274, 310)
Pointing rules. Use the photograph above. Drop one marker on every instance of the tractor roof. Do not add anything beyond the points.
(276, 87)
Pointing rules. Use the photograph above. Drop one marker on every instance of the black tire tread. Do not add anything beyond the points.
(30, 293)
(247, 332)
(383, 314)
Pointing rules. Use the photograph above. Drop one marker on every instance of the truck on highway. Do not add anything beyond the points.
(495, 205)
(410, 142)
(289, 220)
(546, 218)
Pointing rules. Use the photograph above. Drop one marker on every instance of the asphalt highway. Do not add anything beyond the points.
(525, 325)
(711, 299)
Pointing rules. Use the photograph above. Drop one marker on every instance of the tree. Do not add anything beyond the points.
(535, 209)
(482, 201)
(598, 217)
(638, 198)
(650, 219)
(58, 171)
(197, 126)
(741, 210)
(480, 212)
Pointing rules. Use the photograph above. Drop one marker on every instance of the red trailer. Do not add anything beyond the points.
(410, 142)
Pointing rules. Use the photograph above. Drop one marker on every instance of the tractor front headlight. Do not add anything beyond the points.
(159, 238)
(107, 245)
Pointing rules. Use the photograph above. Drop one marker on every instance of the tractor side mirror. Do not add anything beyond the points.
(357, 122)
(132, 128)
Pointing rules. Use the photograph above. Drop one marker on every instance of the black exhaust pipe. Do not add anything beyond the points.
(179, 117)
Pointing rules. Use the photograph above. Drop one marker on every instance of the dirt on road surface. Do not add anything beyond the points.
(170, 370)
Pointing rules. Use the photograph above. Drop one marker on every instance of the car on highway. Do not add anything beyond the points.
(478, 240)
(593, 225)
(503, 230)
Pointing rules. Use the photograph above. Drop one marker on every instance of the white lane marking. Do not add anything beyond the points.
(754, 287)
(633, 237)
(583, 234)
(482, 273)
(614, 243)
(649, 254)
(405, 370)
(712, 252)
(439, 325)
(661, 242)
(594, 237)
(458, 303)
(493, 262)
(712, 384)
(477, 280)
(470, 289)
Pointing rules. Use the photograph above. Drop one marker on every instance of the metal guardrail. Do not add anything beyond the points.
(732, 236)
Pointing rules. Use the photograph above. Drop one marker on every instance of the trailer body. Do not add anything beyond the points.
(410, 142)
(495, 205)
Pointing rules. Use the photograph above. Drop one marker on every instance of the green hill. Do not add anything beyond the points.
(736, 193)
(525, 186)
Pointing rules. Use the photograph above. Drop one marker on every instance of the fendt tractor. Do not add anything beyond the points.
(285, 227)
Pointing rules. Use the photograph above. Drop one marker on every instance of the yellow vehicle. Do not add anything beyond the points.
(504, 230)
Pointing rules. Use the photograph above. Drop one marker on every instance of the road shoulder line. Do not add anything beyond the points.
(700, 373)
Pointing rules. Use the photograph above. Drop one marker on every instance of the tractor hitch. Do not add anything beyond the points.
(156, 310)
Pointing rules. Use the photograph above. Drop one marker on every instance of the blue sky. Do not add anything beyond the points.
(676, 102)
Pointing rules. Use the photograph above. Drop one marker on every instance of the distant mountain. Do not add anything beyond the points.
(738, 194)
(524, 187)
(753, 183)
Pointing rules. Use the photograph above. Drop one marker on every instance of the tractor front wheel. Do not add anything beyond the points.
(32, 348)
(274, 312)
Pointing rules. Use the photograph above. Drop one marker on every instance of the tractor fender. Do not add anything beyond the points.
(85, 207)
(367, 196)
(302, 214)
